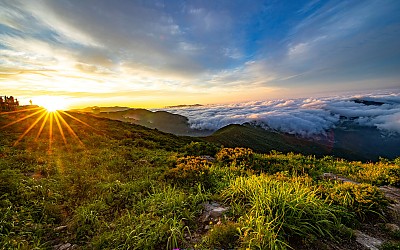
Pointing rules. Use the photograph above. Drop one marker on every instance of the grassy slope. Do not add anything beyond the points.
(130, 187)
(264, 141)
(164, 121)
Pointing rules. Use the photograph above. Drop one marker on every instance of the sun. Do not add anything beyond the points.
(52, 103)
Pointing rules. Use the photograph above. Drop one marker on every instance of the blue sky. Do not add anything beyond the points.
(159, 53)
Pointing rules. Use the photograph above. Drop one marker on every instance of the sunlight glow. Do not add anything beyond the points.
(50, 116)
(52, 103)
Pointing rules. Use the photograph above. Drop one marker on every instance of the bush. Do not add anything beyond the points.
(239, 157)
(225, 235)
(190, 171)
(200, 148)
(361, 199)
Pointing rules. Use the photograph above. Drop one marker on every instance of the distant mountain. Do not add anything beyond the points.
(365, 141)
(264, 141)
(345, 141)
(161, 120)
(96, 109)
(185, 106)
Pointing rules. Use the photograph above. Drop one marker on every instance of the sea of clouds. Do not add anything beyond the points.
(305, 117)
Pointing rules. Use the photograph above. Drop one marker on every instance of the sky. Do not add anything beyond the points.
(154, 53)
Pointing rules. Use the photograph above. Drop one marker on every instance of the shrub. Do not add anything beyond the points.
(190, 171)
(200, 148)
(224, 235)
(240, 157)
(361, 199)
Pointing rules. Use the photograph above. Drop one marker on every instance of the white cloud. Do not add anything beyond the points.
(304, 117)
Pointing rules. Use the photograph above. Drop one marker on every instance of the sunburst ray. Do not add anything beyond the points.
(19, 111)
(70, 130)
(73, 117)
(23, 118)
(29, 129)
(42, 126)
(51, 132)
(59, 127)
(46, 118)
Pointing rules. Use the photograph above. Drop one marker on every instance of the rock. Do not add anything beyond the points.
(392, 227)
(212, 211)
(207, 158)
(60, 228)
(65, 246)
(331, 176)
(367, 241)
(328, 176)
(393, 194)
(207, 227)
(217, 212)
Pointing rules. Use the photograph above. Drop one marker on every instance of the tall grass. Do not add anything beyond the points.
(277, 209)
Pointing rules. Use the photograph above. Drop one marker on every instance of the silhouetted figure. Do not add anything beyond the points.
(30, 101)
(2, 104)
(8, 103)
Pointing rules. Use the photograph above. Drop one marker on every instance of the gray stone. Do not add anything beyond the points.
(207, 158)
(212, 211)
(367, 241)
(391, 227)
(65, 246)
(217, 212)
(331, 176)
(60, 228)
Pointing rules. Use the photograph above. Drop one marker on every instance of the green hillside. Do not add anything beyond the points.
(264, 141)
(121, 186)
(161, 120)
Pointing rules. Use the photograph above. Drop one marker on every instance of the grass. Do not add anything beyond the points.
(276, 209)
(129, 187)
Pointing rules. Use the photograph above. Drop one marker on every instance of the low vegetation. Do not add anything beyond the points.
(128, 187)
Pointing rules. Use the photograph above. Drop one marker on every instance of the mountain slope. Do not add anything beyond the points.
(262, 140)
(87, 127)
(161, 120)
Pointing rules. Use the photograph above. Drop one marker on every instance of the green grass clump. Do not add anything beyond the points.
(380, 173)
(223, 236)
(276, 209)
(390, 246)
(362, 199)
